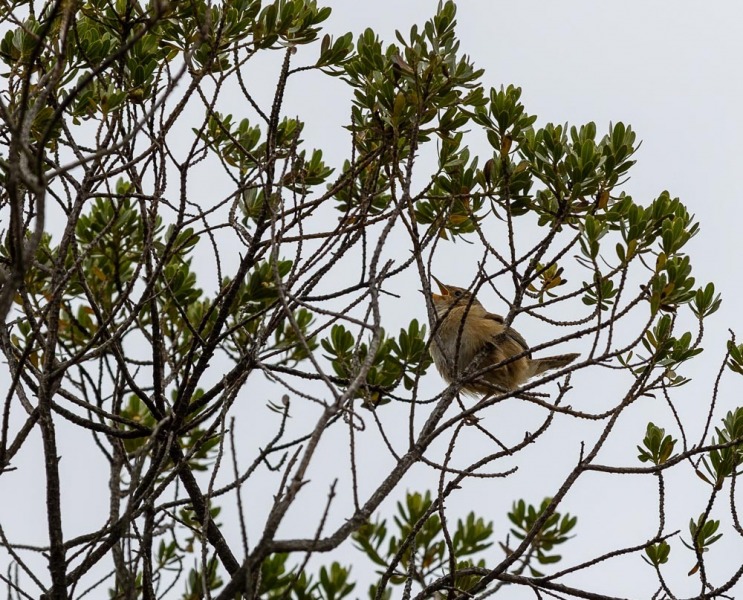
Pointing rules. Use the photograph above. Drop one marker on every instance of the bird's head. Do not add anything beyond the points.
(451, 296)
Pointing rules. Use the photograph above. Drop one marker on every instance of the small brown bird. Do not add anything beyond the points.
(482, 330)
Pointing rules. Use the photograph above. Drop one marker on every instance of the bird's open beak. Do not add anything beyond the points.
(442, 287)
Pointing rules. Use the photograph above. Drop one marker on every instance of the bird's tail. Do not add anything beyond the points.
(540, 365)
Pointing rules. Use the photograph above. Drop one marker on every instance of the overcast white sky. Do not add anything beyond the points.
(672, 71)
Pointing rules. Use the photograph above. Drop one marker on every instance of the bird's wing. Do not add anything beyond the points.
(494, 317)
(510, 331)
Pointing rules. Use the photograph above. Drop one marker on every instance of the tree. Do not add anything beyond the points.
(114, 111)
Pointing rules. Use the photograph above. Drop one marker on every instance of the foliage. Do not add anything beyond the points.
(552, 532)
(658, 447)
(175, 292)
(395, 360)
(723, 461)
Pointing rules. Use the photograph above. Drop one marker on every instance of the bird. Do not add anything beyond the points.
(485, 337)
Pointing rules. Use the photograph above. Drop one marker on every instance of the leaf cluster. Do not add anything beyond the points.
(408, 93)
(703, 533)
(279, 580)
(418, 545)
(666, 349)
(723, 462)
(735, 360)
(657, 554)
(256, 299)
(657, 446)
(396, 360)
(553, 532)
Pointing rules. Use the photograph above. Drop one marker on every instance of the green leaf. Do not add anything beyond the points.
(658, 447)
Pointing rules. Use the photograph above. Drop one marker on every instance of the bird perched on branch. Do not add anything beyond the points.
(486, 338)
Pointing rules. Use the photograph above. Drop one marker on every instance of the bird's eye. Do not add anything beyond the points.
(457, 293)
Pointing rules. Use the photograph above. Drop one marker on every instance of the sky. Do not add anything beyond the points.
(672, 71)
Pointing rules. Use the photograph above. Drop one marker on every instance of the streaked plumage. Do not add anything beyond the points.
(482, 329)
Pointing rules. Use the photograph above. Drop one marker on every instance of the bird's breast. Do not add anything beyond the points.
(460, 337)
